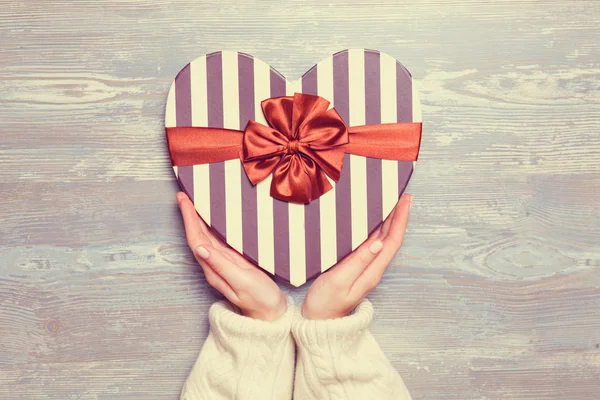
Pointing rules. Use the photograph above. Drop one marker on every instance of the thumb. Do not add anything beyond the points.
(354, 265)
(391, 244)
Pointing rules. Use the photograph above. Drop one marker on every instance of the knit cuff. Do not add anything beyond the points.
(227, 320)
(320, 333)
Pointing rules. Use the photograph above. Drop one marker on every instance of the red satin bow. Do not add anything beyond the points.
(303, 144)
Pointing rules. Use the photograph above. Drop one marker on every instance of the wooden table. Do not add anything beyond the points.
(496, 293)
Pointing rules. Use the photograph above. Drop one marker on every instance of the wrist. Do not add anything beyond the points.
(268, 313)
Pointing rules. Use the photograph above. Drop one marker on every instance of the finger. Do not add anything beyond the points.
(215, 240)
(206, 232)
(398, 225)
(385, 227)
(224, 267)
(391, 244)
(193, 230)
(348, 270)
(376, 235)
(216, 281)
(218, 243)
(194, 221)
(183, 199)
(227, 251)
(196, 237)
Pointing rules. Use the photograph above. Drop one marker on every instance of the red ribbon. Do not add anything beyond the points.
(303, 144)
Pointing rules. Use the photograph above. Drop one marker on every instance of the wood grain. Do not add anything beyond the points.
(495, 294)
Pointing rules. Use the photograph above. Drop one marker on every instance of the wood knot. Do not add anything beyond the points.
(52, 325)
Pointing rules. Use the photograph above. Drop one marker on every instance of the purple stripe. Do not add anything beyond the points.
(214, 93)
(405, 170)
(185, 175)
(246, 105)
(373, 116)
(183, 115)
(277, 84)
(312, 210)
(404, 94)
(309, 82)
(404, 114)
(372, 88)
(342, 188)
(341, 94)
(183, 97)
(280, 208)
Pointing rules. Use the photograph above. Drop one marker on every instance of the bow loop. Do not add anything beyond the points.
(277, 111)
(302, 145)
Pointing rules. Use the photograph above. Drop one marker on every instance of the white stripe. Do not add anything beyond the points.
(358, 164)
(200, 118)
(199, 92)
(202, 191)
(171, 113)
(296, 222)
(233, 177)
(327, 201)
(264, 205)
(389, 168)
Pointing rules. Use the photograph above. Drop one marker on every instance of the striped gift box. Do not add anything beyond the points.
(293, 241)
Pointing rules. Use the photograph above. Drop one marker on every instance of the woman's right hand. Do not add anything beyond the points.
(244, 284)
(338, 291)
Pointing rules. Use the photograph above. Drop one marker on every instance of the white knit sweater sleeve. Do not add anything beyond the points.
(243, 358)
(339, 359)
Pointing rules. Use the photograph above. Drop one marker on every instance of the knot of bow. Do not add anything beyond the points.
(301, 147)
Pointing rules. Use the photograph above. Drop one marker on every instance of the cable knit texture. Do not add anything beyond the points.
(338, 359)
(243, 358)
(247, 359)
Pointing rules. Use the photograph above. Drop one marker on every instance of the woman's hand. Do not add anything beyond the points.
(244, 284)
(338, 291)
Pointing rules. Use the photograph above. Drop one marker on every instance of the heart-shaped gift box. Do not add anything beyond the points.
(293, 240)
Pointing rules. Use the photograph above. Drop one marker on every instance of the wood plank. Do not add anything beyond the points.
(496, 291)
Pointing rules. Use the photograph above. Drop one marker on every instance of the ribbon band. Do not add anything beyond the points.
(193, 145)
(302, 146)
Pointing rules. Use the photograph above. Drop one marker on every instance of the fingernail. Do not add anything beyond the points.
(409, 201)
(202, 252)
(376, 246)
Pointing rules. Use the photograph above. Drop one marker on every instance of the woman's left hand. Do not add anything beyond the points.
(244, 284)
(339, 290)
